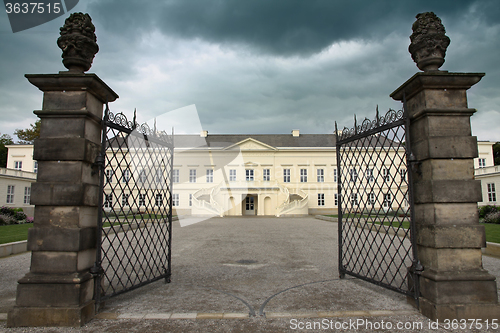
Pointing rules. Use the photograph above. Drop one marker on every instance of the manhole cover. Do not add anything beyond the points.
(246, 261)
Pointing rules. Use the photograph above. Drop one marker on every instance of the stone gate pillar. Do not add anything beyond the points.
(58, 290)
(453, 284)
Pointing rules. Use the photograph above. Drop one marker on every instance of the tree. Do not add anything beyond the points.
(28, 136)
(496, 153)
(5, 139)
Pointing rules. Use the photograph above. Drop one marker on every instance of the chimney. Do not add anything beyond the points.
(204, 134)
(295, 132)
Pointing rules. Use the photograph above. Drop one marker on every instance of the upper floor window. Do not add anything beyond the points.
(402, 173)
(190, 200)
(249, 175)
(142, 199)
(126, 176)
(192, 175)
(142, 177)
(335, 175)
(266, 175)
(109, 176)
(387, 200)
(320, 175)
(18, 165)
(175, 175)
(125, 197)
(386, 174)
(286, 175)
(35, 167)
(108, 200)
(354, 175)
(232, 175)
(482, 162)
(369, 175)
(303, 175)
(210, 176)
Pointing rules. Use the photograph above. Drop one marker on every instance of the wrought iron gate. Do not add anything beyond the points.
(376, 224)
(135, 219)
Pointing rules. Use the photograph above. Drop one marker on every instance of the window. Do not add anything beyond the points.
(286, 175)
(35, 167)
(159, 200)
(371, 199)
(335, 175)
(18, 165)
(159, 176)
(142, 177)
(125, 199)
(303, 175)
(108, 200)
(369, 175)
(126, 176)
(10, 194)
(492, 195)
(320, 175)
(192, 175)
(142, 199)
(267, 175)
(210, 176)
(354, 175)
(175, 199)
(386, 175)
(482, 162)
(175, 175)
(190, 200)
(232, 175)
(109, 176)
(354, 199)
(249, 174)
(336, 199)
(402, 173)
(321, 199)
(387, 200)
(27, 195)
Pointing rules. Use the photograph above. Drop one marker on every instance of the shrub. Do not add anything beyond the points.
(493, 217)
(485, 210)
(7, 219)
(20, 216)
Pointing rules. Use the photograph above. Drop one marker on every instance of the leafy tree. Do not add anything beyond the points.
(28, 136)
(5, 139)
(496, 153)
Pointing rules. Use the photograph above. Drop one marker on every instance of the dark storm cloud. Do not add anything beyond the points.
(279, 27)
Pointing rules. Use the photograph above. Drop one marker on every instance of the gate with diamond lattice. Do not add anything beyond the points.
(135, 222)
(376, 225)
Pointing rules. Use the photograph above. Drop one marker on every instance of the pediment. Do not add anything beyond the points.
(251, 144)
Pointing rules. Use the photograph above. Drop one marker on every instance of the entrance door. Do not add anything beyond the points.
(249, 206)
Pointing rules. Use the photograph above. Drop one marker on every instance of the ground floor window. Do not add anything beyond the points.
(336, 199)
(27, 195)
(108, 200)
(125, 199)
(387, 200)
(354, 199)
(492, 195)
(190, 200)
(175, 199)
(142, 199)
(10, 194)
(321, 199)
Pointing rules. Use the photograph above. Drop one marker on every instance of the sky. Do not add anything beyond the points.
(258, 66)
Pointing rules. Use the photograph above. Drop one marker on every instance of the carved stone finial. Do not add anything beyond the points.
(428, 42)
(78, 42)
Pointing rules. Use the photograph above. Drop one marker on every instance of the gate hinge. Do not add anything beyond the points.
(416, 267)
(96, 270)
(98, 164)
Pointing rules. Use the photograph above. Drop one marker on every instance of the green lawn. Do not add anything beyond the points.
(492, 232)
(14, 233)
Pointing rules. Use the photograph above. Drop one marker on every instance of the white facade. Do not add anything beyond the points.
(15, 189)
(487, 173)
(20, 157)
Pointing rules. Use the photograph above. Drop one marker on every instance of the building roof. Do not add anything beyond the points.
(274, 140)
